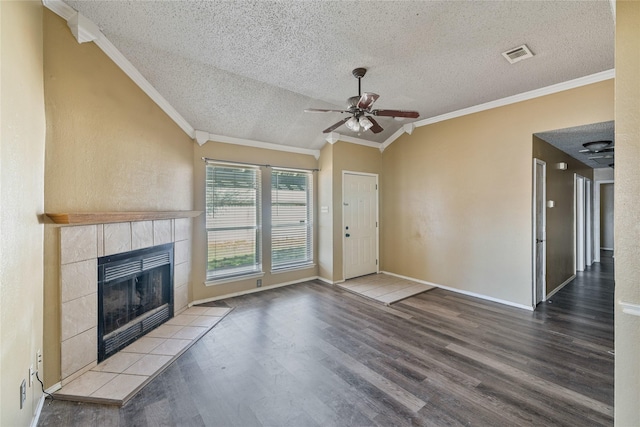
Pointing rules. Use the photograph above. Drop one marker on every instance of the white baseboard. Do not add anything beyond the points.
(251, 291)
(562, 285)
(460, 291)
(327, 281)
(36, 415)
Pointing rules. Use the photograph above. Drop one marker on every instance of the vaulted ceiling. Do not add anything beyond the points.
(248, 69)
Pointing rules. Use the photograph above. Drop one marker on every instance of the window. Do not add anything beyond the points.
(233, 221)
(291, 218)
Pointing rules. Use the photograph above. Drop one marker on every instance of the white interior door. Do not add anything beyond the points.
(580, 223)
(539, 231)
(360, 224)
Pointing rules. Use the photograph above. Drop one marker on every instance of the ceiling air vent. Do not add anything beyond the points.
(517, 54)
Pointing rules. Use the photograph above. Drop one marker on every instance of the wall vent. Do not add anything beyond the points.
(517, 54)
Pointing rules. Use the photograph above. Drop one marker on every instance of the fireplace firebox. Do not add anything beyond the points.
(135, 295)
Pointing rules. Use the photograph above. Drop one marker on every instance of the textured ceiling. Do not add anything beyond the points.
(570, 141)
(248, 69)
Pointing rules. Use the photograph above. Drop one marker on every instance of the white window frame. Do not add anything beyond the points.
(308, 223)
(227, 274)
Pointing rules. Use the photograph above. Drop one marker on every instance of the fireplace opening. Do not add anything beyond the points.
(135, 295)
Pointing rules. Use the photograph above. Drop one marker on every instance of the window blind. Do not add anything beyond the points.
(291, 218)
(233, 221)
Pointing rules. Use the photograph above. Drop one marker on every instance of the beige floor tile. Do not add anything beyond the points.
(148, 365)
(367, 287)
(87, 383)
(217, 311)
(120, 387)
(118, 362)
(144, 345)
(164, 331)
(181, 320)
(384, 288)
(190, 332)
(206, 321)
(171, 347)
(196, 311)
(404, 293)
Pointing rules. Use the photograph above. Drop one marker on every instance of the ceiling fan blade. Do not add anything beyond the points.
(376, 128)
(336, 126)
(317, 110)
(396, 113)
(367, 99)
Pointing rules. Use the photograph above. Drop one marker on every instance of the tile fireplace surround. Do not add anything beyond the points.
(80, 248)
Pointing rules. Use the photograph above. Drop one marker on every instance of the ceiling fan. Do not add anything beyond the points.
(598, 147)
(359, 109)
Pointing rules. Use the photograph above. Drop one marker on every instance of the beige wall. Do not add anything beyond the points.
(560, 221)
(457, 194)
(352, 158)
(109, 147)
(22, 144)
(627, 212)
(235, 153)
(325, 218)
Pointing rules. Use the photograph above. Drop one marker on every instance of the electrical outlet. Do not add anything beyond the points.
(31, 375)
(38, 360)
(23, 393)
(259, 283)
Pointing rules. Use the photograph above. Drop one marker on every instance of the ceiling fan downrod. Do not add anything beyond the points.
(359, 73)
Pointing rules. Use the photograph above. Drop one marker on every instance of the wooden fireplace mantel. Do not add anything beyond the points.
(80, 218)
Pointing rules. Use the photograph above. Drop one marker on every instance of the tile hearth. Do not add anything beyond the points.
(117, 379)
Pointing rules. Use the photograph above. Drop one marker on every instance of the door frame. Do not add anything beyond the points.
(579, 217)
(534, 233)
(596, 216)
(342, 225)
(588, 221)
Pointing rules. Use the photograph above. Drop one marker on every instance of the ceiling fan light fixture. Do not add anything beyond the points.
(353, 124)
(365, 123)
(596, 146)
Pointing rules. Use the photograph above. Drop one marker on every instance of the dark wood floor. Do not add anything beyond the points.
(314, 355)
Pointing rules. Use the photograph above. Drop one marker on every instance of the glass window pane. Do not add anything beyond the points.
(291, 218)
(232, 220)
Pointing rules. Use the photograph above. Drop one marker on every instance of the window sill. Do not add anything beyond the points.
(293, 268)
(223, 280)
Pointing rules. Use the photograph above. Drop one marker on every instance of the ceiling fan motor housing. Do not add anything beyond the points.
(359, 73)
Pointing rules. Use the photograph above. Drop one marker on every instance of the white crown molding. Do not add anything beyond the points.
(333, 137)
(397, 134)
(359, 141)
(201, 137)
(60, 8)
(67, 12)
(525, 96)
(265, 145)
(83, 29)
(612, 3)
(409, 127)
